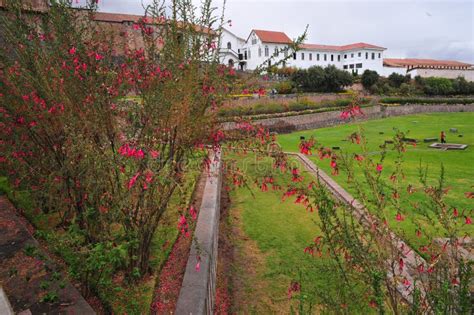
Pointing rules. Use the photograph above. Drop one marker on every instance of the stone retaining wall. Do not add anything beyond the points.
(327, 119)
(198, 289)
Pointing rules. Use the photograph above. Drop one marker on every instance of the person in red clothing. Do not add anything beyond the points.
(443, 137)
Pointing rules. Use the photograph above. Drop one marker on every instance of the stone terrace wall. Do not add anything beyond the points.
(327, 119)
(198, 289)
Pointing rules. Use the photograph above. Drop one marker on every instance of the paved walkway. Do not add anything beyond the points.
(30, 279)
(410, 258)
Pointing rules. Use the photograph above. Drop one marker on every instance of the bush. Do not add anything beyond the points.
(462, 87)
(285, 87)
(369, 78)
(318, 79)
(396, 80)
(438, 86)
(404, 101)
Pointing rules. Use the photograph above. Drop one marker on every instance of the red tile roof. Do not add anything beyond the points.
(360, 46)
(423, 63)
(320, 47)
(273, 37)
(341, 48)
(116, 17)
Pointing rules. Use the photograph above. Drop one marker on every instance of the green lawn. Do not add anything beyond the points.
(281, 230)
(459, 165)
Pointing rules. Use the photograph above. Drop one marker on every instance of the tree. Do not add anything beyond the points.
(335, 80)
(396, 80)
(369, 78)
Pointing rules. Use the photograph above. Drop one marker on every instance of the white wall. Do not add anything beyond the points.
(386, 71)
(443, 73)
(236, 45)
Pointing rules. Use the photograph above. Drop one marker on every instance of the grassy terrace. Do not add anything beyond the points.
(273, 233)
(459, 170)
(271, 246)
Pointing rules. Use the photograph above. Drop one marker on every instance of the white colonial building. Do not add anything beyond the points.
(261, 45)
(262, 48)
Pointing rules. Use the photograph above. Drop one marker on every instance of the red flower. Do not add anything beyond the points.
(455, 212)
(72, 51)
(406, 282)
(399, 217)
(198, 264)
(468, 220)
(469, 195)
(379, 168)
(358, 157)
(420, 268)
(401, 264)
(132, 180)
(193, 212)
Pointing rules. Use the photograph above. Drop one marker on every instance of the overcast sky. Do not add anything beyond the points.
(442, 29)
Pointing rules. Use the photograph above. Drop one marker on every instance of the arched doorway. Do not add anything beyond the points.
(231, 63)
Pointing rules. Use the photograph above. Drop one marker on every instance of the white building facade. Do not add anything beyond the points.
(230, 48)
(269, 47)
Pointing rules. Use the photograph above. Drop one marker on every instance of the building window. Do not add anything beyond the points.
(373, 56)
(345, 56)
(352, 55)
(250, 53)
(302, 56)
(254, 39)
(338, 57)
(294, 56)
(229, 45)
(245, 55)
(267, 51)
(359, 54)
(317, 57)
(260, 51)
(332, 57)
(351, 66)
(325, 57)
(285, 53)
(310, 56)
(345, 66)
(358, 65)
(380, 55)
(277, 52)
(366, 55)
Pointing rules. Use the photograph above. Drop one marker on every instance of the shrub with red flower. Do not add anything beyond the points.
(102, 131)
